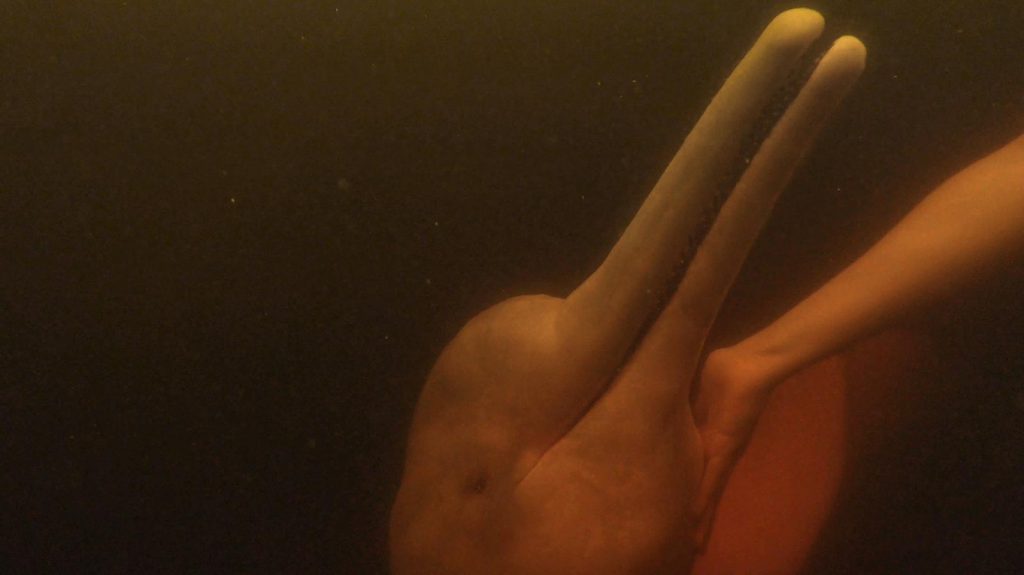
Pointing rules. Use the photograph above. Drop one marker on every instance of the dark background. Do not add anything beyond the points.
(235, 234)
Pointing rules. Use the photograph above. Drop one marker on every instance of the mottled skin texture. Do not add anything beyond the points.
(483, 495)
(554, 435)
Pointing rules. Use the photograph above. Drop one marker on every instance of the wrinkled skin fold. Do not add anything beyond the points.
(555, 435)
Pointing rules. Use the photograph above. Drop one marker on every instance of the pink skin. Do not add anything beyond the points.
(555, 435)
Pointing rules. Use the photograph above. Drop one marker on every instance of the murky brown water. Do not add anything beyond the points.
(235, 236)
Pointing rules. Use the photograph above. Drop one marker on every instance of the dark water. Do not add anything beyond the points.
(234, 236)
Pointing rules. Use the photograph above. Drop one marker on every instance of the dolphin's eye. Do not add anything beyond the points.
(476, 483)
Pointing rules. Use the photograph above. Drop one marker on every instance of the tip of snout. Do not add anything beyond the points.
(851, 51)
(795, 28)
